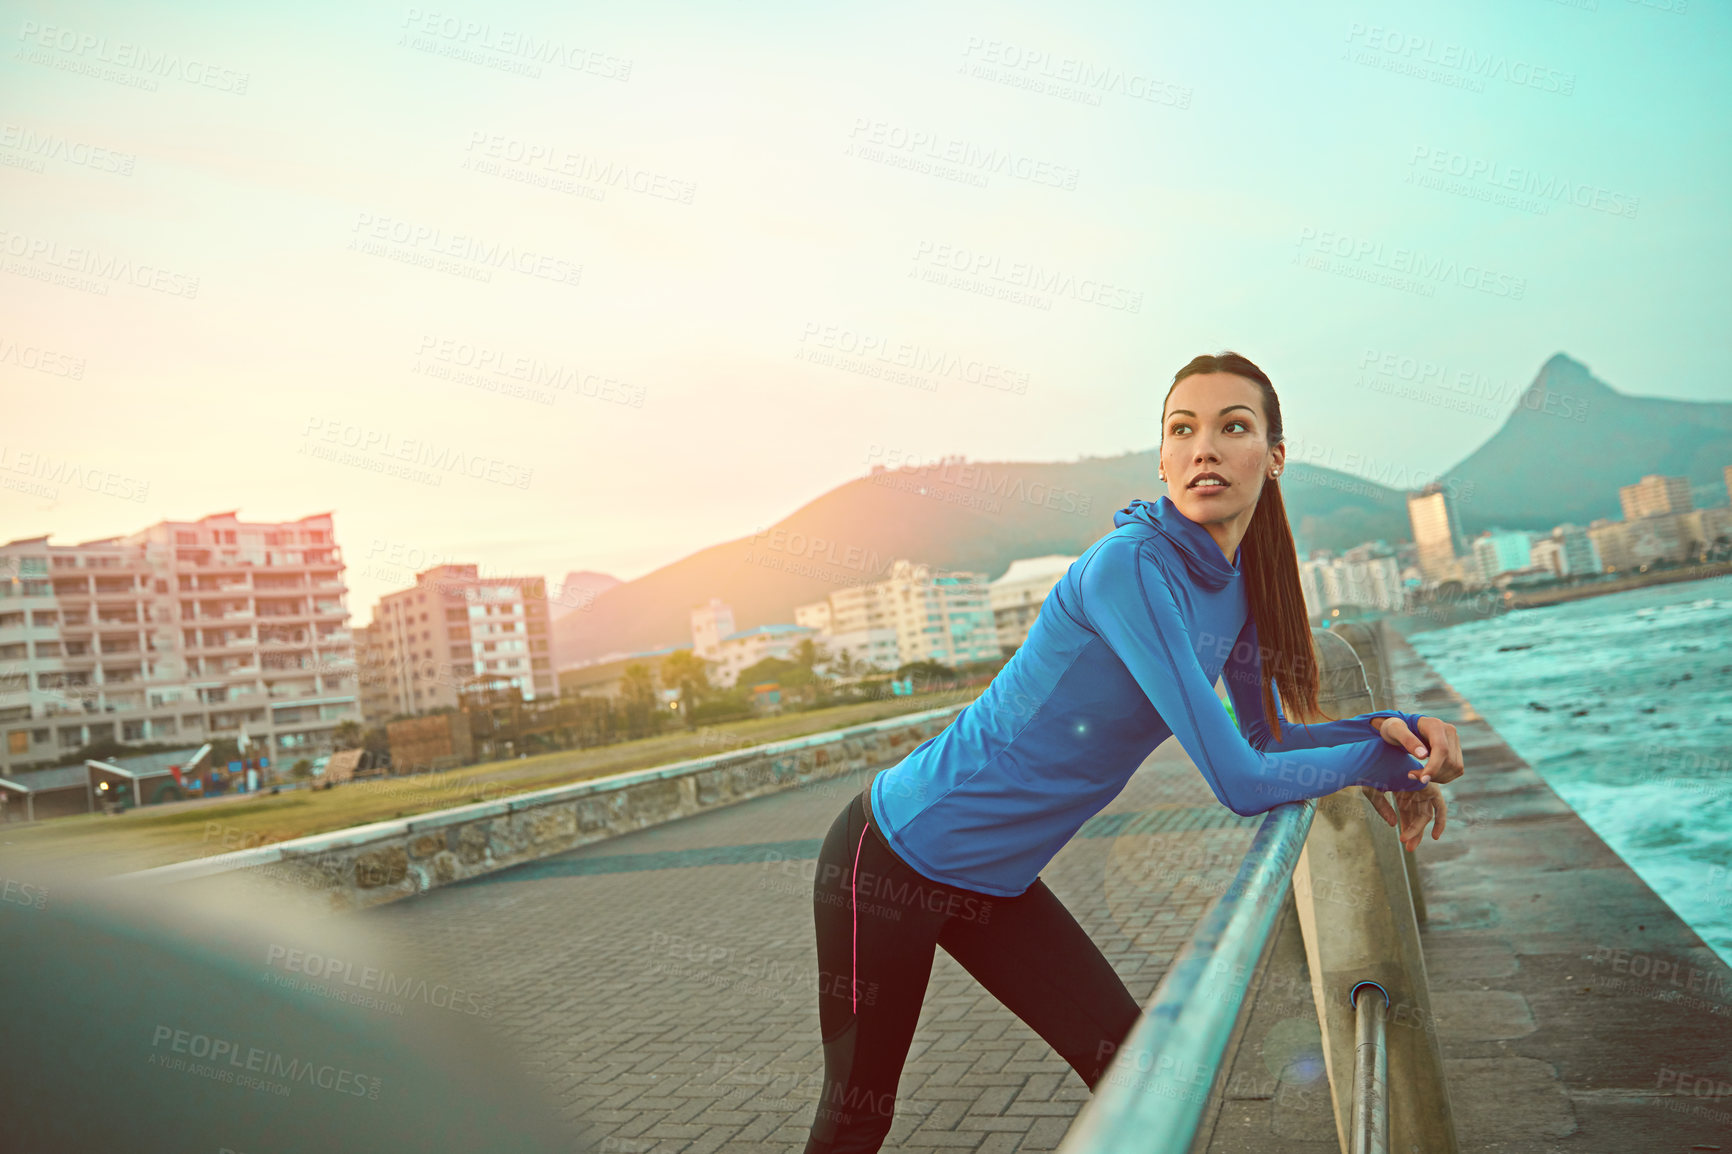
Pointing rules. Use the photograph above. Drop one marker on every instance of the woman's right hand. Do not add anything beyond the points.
(1436, 743)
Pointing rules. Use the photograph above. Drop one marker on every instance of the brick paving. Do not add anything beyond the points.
(662, 985)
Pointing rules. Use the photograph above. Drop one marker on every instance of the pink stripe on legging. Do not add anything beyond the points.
(854, 908)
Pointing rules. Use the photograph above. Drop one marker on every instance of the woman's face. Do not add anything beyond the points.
(1214, 425)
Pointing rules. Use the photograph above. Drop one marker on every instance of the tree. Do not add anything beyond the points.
(377, 741)
(638, 694)
(809, 654)
(926, 674)
(222, 751)
(347, 735)
(781, 671)
(691, 674)
(302, 769)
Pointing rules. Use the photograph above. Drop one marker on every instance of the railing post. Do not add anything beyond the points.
(1357, 918)
(1371, 644)
(1370, 1070)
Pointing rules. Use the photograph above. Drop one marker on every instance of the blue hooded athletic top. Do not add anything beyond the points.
(1125, 653)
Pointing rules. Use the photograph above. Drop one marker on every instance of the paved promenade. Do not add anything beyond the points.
(662, 984)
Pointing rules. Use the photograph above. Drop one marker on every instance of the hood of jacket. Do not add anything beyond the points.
(1201, 554)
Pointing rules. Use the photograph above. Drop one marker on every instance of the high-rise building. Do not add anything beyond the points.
(1655, 496)
(455, 630)
(183, 632)
(1016, 597)
(1437, 532)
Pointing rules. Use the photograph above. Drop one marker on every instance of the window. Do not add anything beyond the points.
(18, 741)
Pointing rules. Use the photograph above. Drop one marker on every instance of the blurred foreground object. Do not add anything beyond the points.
(133, 1020)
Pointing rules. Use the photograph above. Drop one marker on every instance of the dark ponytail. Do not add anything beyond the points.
(1270, 563)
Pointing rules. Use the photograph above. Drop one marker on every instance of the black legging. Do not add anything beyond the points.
(878, 920)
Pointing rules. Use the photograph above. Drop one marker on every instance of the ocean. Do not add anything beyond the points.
(1623, 704)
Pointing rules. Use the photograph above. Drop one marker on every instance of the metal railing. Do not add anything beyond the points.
(1153, 1096)
(1157, 1091)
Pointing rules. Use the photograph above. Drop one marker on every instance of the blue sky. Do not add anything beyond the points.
(371, 202)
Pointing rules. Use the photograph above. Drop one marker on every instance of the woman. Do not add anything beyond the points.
(944, 848)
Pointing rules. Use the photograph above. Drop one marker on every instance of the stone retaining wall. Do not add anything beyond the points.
(372, 864)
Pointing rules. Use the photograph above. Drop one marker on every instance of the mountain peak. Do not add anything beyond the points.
(1567, 380)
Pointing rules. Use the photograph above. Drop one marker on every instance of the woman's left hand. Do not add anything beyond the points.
(1436, 742)
(1418, 808)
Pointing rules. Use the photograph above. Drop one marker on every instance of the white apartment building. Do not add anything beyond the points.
(1357, 579)
(732, 651)
(932, 616)
(1567, 552)
(180, 633)
(1016, 596)
(455, 629)
(854, 632)
(1500, 551)
(743, 649)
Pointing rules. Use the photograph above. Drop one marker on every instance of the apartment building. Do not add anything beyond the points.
(932, 616)
(1654, 496)
(1437, 534)
(180, 633)
(1627, 545)
(853, 631)
(378, 700)
(1362, 578)
(1567, 551)
(1502, 551)
(453, 630)
(733, 651)
(1016, 596)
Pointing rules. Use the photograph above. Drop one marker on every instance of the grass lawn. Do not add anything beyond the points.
(155, 835)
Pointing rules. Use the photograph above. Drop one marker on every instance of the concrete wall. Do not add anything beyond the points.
(372, 864)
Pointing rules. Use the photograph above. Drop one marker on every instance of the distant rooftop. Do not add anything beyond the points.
(761, 630)
(152, 764)
(1035, 568)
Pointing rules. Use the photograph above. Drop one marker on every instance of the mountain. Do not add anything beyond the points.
(580, 588)
(973, 516)
(1542, 467)
(577, 592)
(1573, 440)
